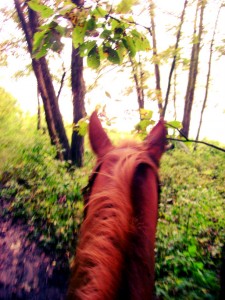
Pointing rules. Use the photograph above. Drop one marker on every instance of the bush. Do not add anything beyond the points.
(46, 194)
(191, 228)
(39, 188)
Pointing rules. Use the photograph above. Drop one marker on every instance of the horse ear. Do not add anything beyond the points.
(99, 140)
(156, 141)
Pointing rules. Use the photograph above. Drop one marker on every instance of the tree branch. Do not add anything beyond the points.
(129, 22)
(198, 142)
(61, 84)
(186, 140)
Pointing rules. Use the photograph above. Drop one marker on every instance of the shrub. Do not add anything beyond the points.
(191, 228)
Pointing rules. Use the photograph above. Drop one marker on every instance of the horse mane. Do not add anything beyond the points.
(108, 224)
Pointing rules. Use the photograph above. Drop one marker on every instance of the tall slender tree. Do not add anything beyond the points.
(193, 70)
(138, 80)
(156, 58)
(208, 73)
(29, 22)
(178, 36)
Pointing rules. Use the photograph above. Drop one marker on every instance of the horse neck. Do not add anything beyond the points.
(116, 235)
(139, 272)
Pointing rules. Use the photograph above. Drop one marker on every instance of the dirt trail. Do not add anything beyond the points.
(26, 271)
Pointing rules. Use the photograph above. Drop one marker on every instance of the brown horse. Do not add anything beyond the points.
(115, 254)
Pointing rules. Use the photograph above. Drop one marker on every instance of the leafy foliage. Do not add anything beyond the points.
(38, 187)
(44, 10)
(82, 126)
(99, 34)
(146, 120)
(45, 194)
(125, 5)
(11, 127)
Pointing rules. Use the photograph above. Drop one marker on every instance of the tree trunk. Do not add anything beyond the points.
(175, 57)
(78, 90)
(156, 65)
(137, 75)
(53, 116)
(175, 93)
(208, 76)
(38, 111)
(193, 71)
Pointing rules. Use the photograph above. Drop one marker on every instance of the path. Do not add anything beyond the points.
(26, 271)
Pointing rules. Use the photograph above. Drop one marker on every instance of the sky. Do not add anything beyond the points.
(114, 84)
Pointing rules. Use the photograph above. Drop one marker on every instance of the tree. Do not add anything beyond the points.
(78, 90)
(208, 74)
(101, 32)
(138, 79)
(156, 58)
(178, 36)
(193, 70)
(30, 23)
(84, 24)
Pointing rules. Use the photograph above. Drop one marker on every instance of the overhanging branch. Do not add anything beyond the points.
(186, 140)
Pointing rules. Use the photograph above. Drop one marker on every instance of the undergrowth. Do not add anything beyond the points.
(47, 194)
(191, 227)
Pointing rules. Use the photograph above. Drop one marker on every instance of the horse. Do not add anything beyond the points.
(115, 253)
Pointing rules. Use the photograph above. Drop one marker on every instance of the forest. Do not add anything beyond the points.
(135, 62)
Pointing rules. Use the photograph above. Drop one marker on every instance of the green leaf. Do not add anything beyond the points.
(38, 39)
(42, 52)
(129, 45)
(199, 265)
(101, 53)
(86, 47)
(67, 7)
(91, 24)
(121, 51)
(140, 41)
(146, 114)
(105, 34)
(115, 24)
(61, 30)
(44, 10)
(142, 125)
(48, 38)
(192, 249)
(135, 34)
(93, 59)
(174, 124)
(99, 12)
(124, 6)
(81, 127)
(112, 55)
(119, 31)
(79, 34)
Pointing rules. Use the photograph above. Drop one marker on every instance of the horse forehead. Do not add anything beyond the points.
(129, 154)
(122, 153)
(129, 147)
(126, 157)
